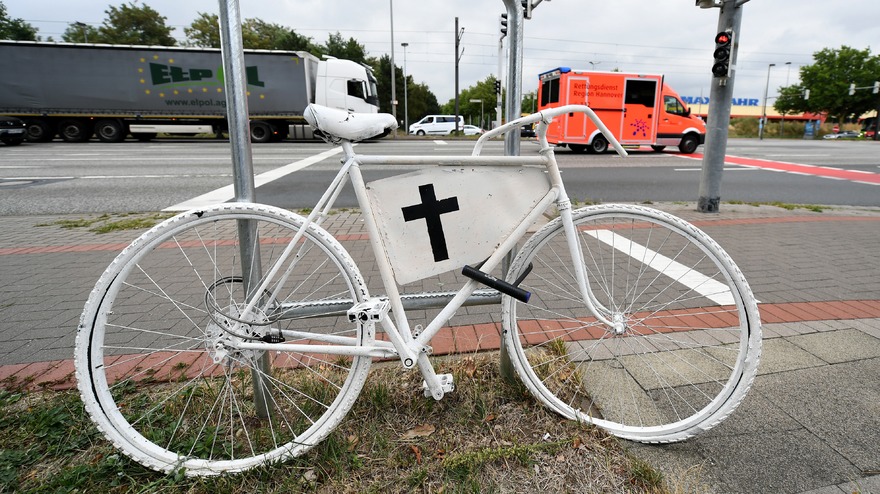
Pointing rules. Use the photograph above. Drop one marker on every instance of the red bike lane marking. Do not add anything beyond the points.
(800, 169)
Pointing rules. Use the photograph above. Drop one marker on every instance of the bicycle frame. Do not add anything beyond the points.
(413, 349)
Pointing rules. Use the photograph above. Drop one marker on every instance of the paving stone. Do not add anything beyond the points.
(834, 347)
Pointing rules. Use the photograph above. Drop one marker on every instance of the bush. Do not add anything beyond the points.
(748, 127)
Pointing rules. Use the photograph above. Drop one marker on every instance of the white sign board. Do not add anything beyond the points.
(439, 219)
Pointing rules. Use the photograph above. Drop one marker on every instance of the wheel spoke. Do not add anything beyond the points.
(166, 378)
(686, 340)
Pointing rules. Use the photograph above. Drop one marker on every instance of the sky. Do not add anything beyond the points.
(671, 37)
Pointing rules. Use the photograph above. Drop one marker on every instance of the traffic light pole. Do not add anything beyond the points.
(513, 105)
(720, 97)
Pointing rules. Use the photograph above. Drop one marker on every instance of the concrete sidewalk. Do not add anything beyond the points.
(810, 424)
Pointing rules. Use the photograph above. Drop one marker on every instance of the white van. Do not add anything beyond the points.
(436, 125)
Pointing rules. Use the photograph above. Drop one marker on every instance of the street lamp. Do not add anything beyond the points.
(764, 111)
(481, 110)
(83, 26)
(405, 107)
(393, 68)
(782, 123)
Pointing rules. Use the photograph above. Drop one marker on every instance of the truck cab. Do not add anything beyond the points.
(342, 84)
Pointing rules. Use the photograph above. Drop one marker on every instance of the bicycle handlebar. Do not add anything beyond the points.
(543, 118)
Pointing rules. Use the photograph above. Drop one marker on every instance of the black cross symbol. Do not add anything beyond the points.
(430, 209)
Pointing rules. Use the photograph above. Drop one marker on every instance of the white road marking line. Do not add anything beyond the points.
(713, 290)
(224, 194)
(440, 143)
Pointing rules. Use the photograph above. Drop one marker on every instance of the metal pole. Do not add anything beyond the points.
(720, 97)
(457, 41)
(393, 68)
(82, 26)
(232, 52)
(480, 101)
(515, 24)
(498, 111)
(232, 49)
(511, 139)
(782, 123)
(764, 109)
(405, 84)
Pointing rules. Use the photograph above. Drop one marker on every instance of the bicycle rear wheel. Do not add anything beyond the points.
(157, 357)
(687, 341)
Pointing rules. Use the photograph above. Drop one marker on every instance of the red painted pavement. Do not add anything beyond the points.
(783, 166)
(59, 374)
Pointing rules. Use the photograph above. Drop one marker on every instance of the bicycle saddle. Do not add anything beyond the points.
(334, 125)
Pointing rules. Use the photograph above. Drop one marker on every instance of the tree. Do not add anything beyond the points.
(382, 70)
(420, 101)
(297, 42)
(204, 31)
(255, 33)
(127, 24)
(262, 35)
(791, 99)
(346, 49)
(829, 79)
(79, 32)
(483, 91)
(15, 29)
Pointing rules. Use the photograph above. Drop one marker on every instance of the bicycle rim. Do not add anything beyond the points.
(687, 343)
(156, 358)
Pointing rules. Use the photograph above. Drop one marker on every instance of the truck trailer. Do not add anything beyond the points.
(76, 90)
(637, 108)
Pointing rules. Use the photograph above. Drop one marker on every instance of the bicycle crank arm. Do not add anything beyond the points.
(500, 285)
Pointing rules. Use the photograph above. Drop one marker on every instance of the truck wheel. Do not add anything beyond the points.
(577, 148)
(109, 131)
(39, 131)
(658, 148)
(599, 145)
(74, 131)
(420, 133)
(688, 144)
(261, 132)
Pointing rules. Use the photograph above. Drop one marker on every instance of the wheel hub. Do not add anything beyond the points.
(618, 324)
(225, 332)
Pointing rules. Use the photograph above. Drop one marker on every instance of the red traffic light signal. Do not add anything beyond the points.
(723, 42)
(723, 38)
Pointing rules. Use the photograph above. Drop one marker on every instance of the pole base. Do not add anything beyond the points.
(708, 204)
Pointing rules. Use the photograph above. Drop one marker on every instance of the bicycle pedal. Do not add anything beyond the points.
(373, 310)
(446, 384)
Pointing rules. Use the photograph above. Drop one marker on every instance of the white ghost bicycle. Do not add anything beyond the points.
(241, 334)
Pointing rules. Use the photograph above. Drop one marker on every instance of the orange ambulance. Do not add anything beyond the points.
(638, 108)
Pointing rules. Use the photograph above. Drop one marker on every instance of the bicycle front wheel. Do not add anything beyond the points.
(684, 341)
(159, 357)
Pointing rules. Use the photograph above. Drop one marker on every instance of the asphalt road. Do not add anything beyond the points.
(94, 177)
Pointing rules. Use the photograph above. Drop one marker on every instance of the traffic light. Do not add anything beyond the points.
(503, 25)
(497, 86)
(723, 49)
(852, 89)
(876, 87)
(527, 8)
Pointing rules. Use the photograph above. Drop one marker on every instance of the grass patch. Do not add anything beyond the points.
(784, 205)
(486, 436)
(107, 223)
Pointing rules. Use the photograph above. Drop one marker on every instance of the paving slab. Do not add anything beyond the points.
(810, 424)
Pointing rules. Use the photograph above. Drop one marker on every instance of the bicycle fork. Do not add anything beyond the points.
(563, 205)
